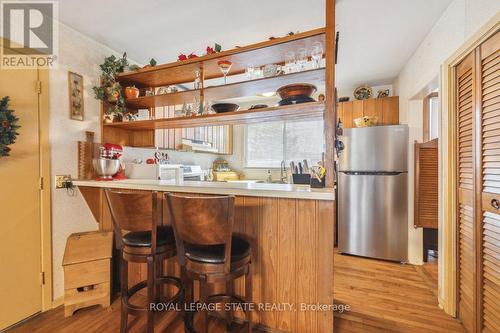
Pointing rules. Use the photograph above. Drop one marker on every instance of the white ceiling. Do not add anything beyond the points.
(376, 37)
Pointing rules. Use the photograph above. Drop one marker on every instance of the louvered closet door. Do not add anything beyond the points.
(490, 196)
(464, 100)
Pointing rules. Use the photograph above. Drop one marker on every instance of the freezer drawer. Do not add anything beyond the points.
(373, 218)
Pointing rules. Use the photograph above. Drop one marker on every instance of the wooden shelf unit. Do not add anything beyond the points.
(259, 54)
(313, 110)
(231, 90)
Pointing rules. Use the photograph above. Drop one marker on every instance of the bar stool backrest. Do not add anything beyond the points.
(135, 212)
(202, 221)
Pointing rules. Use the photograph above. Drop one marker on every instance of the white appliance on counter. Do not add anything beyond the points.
(154, 171)
(192, 172)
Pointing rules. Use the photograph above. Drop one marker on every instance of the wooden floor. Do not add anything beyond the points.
(388, 297)
(98, 320)
(383, 297)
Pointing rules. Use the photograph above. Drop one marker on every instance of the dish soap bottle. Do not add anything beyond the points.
(269, 177)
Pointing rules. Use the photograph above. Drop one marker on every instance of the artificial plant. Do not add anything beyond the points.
(110, 89)
(8, 127)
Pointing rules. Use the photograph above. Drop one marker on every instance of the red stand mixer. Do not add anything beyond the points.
(109, 164)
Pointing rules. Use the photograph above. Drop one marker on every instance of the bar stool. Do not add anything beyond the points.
(208, 251)
(141, 239)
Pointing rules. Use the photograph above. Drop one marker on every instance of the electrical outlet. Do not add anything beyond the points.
(60, 179)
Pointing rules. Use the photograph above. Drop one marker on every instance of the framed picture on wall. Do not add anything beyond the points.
(75, 88)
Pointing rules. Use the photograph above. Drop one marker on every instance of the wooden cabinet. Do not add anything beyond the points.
(386, 109)
(477, 96)
(292, 249)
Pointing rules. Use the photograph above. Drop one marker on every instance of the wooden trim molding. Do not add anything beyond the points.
(447, 171)
(45, 196)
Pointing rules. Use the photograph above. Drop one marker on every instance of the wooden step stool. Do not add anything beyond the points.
(87, 270)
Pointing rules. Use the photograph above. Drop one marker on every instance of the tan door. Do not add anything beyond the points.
(466, 245)
(20, 224)
(489, 184)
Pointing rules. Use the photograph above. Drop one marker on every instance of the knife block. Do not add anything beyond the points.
(301, 178)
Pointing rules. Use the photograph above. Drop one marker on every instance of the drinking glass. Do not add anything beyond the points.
(290, 62)
(225, 67)
(317, 54)
(250, 72)
(302, 56)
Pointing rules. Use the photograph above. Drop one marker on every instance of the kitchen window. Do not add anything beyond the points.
(431, 116)
(267, 144)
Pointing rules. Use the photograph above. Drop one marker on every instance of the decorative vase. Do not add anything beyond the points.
(131, 92)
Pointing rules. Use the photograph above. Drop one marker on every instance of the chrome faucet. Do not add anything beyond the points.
(283, 178)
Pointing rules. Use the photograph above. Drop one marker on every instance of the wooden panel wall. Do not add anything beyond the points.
(426, 185)
(386, 109)
(292, 244)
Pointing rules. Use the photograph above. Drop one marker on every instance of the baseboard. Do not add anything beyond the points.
(57, 302)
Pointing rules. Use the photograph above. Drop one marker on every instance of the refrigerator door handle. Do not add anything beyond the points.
(372, 173)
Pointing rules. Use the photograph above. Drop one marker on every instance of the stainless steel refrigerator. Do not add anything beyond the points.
(373, 192)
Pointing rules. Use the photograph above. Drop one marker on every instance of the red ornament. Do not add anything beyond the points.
(5, 124)
(192, 55)
(182, 57)
(210, 50)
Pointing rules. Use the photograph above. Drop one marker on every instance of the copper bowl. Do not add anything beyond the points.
(296, 89)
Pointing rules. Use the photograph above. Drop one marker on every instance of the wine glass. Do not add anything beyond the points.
(317, 54)
(225, 67)
(302, 56)
(289, 62)
(250, 71)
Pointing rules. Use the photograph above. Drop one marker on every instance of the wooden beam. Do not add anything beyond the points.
(330, 112)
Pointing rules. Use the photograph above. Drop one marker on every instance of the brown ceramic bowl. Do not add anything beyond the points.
(296, 89)
(225, 107)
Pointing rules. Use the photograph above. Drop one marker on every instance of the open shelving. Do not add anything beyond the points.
(231, 90)
(268, 52)
(312, 110)
(182, 74)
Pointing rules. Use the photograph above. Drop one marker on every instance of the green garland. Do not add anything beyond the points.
(110, 90)
(8, 127)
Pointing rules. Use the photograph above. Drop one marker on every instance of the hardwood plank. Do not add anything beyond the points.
(287, 233)
(306, 238)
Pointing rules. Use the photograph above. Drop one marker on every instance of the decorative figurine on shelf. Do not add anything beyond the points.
(8, 127)
(383, 93)
(152, 63)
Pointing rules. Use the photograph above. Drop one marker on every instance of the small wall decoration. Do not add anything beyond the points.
(8, 127)
(75, 84)
(363, 92)
(383, 93)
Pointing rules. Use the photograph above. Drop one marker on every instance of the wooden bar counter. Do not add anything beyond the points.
(291, 229)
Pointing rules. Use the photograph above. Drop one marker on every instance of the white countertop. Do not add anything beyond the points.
(243, 189)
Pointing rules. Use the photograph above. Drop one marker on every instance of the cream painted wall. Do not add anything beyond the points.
(421, 76)
(79, 54)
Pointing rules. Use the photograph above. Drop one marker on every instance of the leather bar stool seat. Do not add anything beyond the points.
(214, 254)
(165, 236)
